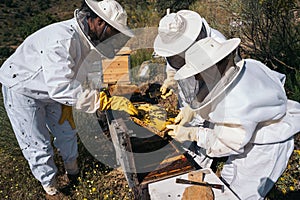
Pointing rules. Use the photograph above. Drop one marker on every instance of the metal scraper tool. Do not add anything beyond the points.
(216, 186)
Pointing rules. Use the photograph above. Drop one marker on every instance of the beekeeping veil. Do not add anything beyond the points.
(112, 13)
(201, 59)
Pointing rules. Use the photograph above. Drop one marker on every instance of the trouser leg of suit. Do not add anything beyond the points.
(65, 139)
(30, 119)
(252, 175)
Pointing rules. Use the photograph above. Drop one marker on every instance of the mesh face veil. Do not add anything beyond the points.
(213, 65)
(200, 91)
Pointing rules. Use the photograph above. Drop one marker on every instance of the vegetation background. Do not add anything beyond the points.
(269, 31)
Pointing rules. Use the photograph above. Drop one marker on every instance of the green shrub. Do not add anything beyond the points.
(35, 23)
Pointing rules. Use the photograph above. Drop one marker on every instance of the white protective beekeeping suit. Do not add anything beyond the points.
(169, 44)
(254, 122)
(46, 71)
(176, 33)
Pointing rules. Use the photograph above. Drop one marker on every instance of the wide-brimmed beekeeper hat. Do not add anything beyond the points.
(177, 32)
(204, 54)
(111, 12)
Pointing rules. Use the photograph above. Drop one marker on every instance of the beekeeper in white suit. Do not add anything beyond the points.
(40, 84)
(176, 34)
(254, 122)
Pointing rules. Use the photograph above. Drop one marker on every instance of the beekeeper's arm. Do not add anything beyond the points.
(169, 82)
(222, 140)
(59, 70)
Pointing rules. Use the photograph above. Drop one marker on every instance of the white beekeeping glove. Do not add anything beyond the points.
(185, 115)
(182, 133)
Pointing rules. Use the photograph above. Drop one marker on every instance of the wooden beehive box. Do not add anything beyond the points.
(116, 70)
(145, 156)
(145, 152)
